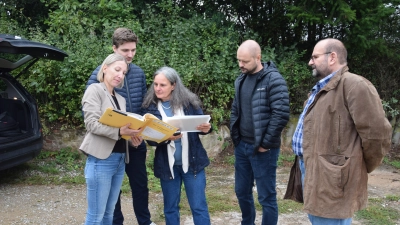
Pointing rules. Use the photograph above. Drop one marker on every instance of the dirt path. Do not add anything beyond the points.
(66, 204)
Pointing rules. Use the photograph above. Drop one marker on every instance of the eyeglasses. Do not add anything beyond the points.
(313, 57)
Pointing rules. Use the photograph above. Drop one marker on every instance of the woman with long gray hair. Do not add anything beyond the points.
(181, 158)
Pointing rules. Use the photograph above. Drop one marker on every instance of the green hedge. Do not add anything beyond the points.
(202, 50)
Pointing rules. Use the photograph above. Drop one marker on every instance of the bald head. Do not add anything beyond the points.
(334, 45)
(249, 57)
(250, 46)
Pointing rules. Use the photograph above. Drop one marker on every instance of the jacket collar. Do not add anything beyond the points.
(335, 79)
(103, 85)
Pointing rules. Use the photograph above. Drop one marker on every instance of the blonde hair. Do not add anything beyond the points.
(112, 58)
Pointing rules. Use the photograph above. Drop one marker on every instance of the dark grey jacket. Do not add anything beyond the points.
(270, 108)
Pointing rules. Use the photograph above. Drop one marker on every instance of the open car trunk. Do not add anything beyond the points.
(21, 136)
(15, 115)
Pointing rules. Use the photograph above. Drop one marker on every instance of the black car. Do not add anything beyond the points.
(21, 137)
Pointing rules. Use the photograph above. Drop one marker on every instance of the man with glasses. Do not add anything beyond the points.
(342, 135)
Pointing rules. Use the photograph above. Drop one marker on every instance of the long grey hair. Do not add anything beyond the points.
(180, 96)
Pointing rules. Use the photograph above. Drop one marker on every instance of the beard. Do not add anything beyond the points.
(248, 71)
(320, 72)
(315, 73)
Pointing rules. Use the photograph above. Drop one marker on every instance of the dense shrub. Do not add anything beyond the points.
(202, 50)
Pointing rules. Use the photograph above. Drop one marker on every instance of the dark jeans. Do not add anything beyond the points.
(260, 167)
(137, 174)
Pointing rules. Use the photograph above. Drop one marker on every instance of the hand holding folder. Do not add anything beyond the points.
(151, 127)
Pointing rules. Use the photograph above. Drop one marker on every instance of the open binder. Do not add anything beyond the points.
(153, 129)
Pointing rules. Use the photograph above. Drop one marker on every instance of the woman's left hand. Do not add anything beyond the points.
(204, 127)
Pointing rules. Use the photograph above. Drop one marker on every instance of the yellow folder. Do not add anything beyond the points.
(152, 128)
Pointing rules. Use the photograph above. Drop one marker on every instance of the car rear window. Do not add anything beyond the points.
(11, 57)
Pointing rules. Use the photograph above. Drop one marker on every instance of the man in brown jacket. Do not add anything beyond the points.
(342, 135)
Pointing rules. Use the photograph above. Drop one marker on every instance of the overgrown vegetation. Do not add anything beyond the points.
(200, 39)
(379, 212)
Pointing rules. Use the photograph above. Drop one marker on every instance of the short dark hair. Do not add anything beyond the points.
(123, 35)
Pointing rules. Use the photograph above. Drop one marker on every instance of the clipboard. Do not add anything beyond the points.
(188, 123)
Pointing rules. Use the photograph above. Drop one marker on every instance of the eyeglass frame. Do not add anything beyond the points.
(313, 57)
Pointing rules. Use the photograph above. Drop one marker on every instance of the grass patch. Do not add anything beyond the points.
(286, 159)
(393, 198)
(153, 182)
(221, 200)
(230, 159)
(378, 213)
(289, 206)
(49, 167)
(393, 162)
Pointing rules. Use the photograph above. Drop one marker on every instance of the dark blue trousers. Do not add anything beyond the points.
(137, 174)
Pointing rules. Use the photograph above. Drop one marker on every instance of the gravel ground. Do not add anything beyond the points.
(66, 204)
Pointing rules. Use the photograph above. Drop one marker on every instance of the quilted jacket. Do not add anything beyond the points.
(270, 108)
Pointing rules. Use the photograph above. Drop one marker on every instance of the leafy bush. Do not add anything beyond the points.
(200, 50)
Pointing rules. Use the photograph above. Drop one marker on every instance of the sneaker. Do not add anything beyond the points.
(152, 223)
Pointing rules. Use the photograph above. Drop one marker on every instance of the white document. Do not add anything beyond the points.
(187, 123)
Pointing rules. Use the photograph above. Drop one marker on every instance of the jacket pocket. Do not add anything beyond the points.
(333, 175)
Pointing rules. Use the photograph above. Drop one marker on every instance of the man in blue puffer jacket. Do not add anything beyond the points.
(134, 90)
(260, 111)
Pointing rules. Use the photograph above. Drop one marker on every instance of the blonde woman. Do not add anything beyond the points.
(106, 151)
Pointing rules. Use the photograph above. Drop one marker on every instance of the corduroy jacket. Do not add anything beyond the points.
(345, 136)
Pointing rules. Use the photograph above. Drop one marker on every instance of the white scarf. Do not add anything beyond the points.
(171, 145)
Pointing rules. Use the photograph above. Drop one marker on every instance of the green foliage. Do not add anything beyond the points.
(286, 159)
(288, 206)
(377, 213)
(49, 167)
(9, 25)
(200, 42)
(393, 162)
(201, 51)
(154, 182)
(86, 37)
(393, 198)
(230, 159)
(391, 107)
(297, 74)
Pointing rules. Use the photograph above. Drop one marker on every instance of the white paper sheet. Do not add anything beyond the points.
(187, 123)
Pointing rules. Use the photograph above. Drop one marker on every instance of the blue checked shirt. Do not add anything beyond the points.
(297, 140)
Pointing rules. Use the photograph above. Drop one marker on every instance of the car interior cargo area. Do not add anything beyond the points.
(15, 122)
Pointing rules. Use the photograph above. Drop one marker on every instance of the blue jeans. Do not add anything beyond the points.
(103, 179)
(137, 174)
(195, 186)
(260, 167)
(316, 220)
